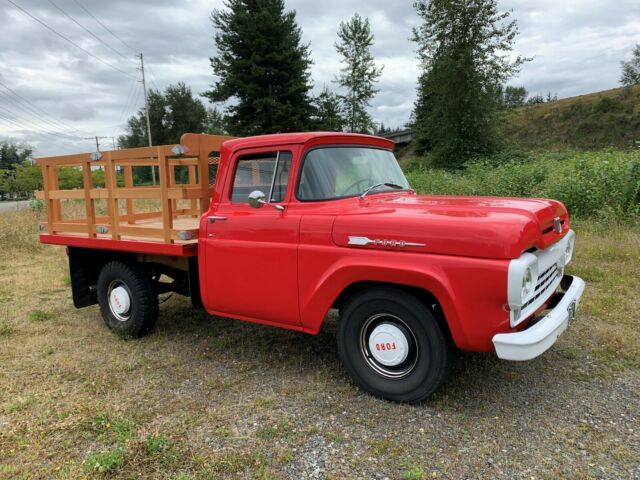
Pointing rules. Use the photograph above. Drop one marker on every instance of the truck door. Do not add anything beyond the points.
(251, 253)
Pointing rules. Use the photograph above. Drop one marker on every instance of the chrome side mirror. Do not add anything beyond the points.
(257, 199)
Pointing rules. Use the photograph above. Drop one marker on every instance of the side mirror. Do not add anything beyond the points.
(257, 199)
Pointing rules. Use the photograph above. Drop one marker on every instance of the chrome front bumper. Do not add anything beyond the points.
(539, 337)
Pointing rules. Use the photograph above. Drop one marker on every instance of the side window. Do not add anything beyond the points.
(267, 172)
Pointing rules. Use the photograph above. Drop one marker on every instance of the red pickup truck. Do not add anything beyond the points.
(299, 224)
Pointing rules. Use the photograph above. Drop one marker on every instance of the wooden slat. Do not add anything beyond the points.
(185, 162)
(142, 152)
(75, 159)
(68, 227)
(66, 194)
(175, 193)
(141, 231)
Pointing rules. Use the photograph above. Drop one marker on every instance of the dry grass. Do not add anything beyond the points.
(212, 398)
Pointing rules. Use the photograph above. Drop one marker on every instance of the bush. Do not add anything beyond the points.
(604, 184)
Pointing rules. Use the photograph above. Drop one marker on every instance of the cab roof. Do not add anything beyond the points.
(305, 137)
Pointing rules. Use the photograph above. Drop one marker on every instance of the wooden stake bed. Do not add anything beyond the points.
(168, 223)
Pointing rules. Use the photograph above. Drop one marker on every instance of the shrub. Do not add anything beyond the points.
(604, 184)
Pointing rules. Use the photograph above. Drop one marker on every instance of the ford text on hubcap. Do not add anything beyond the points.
(388, 345)
(119, 300)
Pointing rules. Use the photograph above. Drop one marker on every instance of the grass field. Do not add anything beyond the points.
(206, 398)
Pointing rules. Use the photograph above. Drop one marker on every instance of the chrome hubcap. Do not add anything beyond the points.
(388, 345)
(119, 300)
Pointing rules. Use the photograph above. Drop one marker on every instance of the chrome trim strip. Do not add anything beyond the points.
(365, 241)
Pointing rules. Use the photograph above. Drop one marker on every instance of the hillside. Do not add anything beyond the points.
(598, 120)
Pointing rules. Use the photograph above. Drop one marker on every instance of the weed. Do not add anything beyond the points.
(5, 329)
(104, 461)
(413, 472)
(40, 316)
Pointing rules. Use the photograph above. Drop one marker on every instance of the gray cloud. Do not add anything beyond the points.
(576, 45)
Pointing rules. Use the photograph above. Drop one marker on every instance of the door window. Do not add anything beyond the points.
(267, 172)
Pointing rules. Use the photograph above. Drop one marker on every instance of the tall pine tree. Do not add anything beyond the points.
(261, 66)
(359, 75)
(464, 49)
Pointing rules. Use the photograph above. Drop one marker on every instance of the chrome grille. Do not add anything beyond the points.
(544, 282)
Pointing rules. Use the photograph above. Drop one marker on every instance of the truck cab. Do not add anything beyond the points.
(299, 224)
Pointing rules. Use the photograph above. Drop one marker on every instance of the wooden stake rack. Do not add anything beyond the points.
(170, 224)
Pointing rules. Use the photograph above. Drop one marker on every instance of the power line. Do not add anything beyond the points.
(17, 121)
(28, 108)
(33, 106)
(88, 31)
(69, 40)
(105, 27)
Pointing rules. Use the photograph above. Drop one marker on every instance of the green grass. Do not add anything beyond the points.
(104, 461)
(598, 120)
(40, 316)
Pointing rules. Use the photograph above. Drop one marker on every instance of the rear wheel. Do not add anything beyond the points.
(392, 346)
(127, 298)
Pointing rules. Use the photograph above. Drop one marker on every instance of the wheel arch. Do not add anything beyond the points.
(431, 288)
(424, 296)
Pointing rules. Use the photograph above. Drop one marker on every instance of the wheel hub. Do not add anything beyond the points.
(120, 302)
(388, 345)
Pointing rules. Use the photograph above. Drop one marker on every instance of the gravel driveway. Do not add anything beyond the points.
(12, 205)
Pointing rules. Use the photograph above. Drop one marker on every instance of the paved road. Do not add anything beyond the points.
(7, 206)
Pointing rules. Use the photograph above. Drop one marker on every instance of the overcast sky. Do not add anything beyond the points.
(577, 46)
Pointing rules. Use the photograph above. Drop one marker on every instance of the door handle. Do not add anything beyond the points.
(213, 218)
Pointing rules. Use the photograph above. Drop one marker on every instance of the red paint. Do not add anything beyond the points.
(287, 268)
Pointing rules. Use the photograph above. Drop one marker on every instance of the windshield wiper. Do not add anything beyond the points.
(395, 186)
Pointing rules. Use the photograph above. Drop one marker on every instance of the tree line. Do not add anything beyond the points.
(263, 84)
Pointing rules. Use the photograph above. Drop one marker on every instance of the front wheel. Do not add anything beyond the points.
(127, 298)
(392, 346)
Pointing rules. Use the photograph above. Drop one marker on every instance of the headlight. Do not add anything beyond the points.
(527, 283)
(568, 251)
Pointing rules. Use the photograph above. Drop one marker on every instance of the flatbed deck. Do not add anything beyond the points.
(169, 221)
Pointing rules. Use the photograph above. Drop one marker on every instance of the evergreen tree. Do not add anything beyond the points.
(262, 65)
(631, 69)
(464, 50)
(359, 75)
(329, 111)
(215, 122)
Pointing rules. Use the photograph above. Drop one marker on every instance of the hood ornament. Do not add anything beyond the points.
(365, 241)
(557, 225)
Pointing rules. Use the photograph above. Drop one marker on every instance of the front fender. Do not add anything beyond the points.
(469, 290)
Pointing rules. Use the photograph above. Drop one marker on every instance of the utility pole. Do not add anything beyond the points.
(97, 139)
(146, 113)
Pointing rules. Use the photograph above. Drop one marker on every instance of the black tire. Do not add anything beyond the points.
(140, 318)
(426, 365)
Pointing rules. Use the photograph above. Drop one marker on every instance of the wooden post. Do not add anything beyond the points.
(89, 204)
(54, 184)
(172, 182)
(165, 202)
(46, 180)
(128, 183)
(112, 201)
(193, 181)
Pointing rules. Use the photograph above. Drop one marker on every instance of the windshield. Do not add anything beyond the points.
(337, 172)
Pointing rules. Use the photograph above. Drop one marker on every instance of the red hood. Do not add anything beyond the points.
(487, 227)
